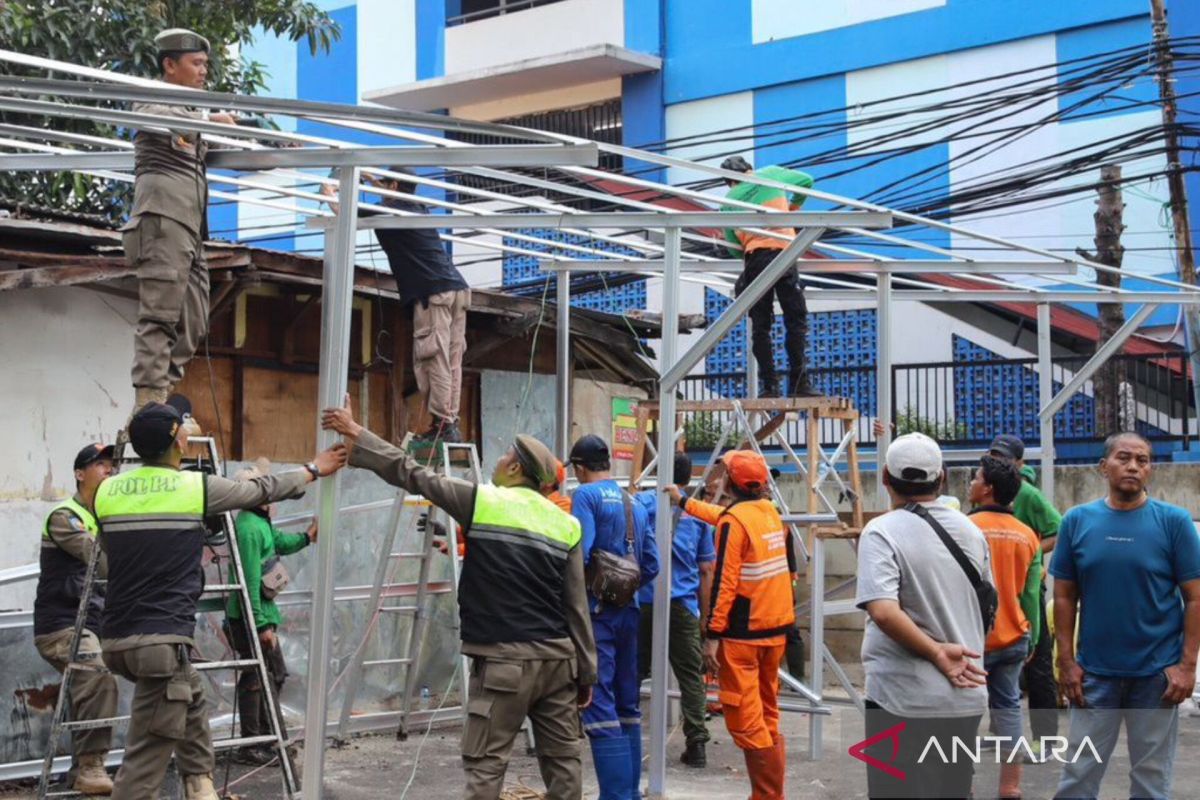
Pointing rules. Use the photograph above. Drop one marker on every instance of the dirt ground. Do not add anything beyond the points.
(379, 766)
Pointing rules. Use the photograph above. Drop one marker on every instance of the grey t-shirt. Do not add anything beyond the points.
(901, 558)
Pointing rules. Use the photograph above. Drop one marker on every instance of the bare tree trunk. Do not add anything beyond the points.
(1109, 225)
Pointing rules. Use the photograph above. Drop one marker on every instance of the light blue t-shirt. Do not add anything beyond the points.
(600, 510)
(1128, 566)
(691, 547)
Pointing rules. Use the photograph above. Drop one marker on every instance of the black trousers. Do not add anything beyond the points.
(251, 700)
(1040, 683)
(933, 777)
(762, 317)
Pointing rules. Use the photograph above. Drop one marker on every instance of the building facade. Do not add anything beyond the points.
(882, 100)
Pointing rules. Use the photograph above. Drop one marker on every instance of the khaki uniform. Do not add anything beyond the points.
(93, 689)
(170, 709)
(439, 341)
(164, 242)
(510, 680)
(68, 540)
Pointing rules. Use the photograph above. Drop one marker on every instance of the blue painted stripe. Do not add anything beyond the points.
(431, 39)
(710, 50)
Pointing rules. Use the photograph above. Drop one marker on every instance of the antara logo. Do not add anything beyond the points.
(893, 733)
(1054, 747)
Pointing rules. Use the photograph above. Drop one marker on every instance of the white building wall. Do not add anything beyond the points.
(533, 33)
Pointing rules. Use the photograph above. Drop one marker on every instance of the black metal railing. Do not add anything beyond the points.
(475, 10)
(966, 403)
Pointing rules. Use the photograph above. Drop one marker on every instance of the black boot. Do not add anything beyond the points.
(770, 384)
(694, 755)
(798, 385)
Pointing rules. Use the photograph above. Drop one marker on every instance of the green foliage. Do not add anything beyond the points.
(908, 421)
(701, 430)
(119, 35)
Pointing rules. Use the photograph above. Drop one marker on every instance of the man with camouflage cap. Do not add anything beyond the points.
(522, 603)
(164, 238)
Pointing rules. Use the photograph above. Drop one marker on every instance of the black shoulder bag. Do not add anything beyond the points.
(989, 599)
(612, 579)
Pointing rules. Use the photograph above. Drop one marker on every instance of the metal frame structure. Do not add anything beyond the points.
(896, 279)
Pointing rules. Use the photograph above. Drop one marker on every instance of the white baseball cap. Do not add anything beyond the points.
(914, 457)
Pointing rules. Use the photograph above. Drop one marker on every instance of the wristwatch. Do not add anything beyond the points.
(312, 470)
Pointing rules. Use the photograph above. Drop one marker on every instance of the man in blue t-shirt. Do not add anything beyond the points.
(613, 722)
(1129, 567)
(692, 565)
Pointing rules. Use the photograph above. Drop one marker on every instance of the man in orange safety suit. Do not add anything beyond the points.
(751, 613)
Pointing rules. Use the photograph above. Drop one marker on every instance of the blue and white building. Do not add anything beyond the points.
(725, 72)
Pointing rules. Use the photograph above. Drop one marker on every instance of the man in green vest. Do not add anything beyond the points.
(68, 539)
(152, 531)
(522, 604)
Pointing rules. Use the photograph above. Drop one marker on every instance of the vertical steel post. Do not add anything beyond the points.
(1045, 395)
(563, 379)
(337, 298)
(883, 377)
(664, 532)
(816, 638)
(752, 375)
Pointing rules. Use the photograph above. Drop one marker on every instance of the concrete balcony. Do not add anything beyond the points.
(564, 46)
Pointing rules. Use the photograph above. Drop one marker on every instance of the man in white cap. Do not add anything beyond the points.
(925, 632)
(164, 238)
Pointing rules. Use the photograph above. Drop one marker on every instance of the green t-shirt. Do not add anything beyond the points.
(1032, 507)
(258, 541)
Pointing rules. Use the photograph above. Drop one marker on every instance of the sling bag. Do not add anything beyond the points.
(274, 578)
(612, 579)
(989, 599)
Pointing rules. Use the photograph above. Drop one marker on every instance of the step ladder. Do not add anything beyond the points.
(209, 462)
(419, 608)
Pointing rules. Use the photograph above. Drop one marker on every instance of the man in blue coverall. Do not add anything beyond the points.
(692, 566)
(613, 722)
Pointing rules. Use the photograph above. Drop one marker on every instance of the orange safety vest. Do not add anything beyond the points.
(752, 589)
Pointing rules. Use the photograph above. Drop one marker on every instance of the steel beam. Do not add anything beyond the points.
(1011, 296)
(1045, 395)
(1102, 355)
(664, 531)
(633, 220)
(822, 266)
(337, 298)
(883, 375)
(170, 94)
(508, 155)
(563, 378)
(678, 369)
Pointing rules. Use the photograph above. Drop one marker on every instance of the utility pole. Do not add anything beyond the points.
(1185, 255)
(1109, 225)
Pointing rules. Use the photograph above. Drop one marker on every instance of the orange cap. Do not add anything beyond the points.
(747, 469)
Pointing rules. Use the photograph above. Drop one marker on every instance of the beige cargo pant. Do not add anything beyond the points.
(439, 341)
(172, 298)
(93, 690)
(502, 694)
(169, 715)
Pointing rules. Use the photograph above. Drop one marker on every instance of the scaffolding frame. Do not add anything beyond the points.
(575, 158)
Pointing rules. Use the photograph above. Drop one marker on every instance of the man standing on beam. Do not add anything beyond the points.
(164, 238)
(758, 251)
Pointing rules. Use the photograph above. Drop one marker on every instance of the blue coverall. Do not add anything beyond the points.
(613, 721)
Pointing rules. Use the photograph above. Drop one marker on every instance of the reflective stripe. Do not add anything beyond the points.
(630, 720)
(157, 517)
(152, 524)
(759, 577)
(771, 566)
(522, 539)
(608, 723)
(85, 516)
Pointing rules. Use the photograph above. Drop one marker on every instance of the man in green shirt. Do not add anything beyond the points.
(1035, 510)
(260, 543)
